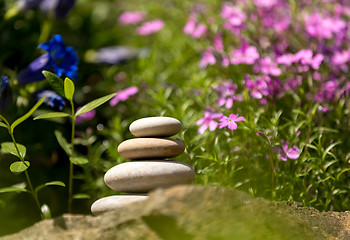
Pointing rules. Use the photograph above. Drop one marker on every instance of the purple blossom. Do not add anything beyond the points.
(230, 121)
(327, 91)
(123, 95)
(85, 116)
(208, 121)
(293, 83)
(226, 94)
(257, 88)
(131, 17)
(285, 152)
(150, 27)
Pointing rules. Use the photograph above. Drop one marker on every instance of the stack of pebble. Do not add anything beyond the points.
(148, 168)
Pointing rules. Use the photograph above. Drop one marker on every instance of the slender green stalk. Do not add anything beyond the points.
(71, 166)
(32, 191)
(45, 31)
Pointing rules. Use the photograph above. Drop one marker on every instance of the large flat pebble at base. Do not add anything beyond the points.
(148, 148)
(145, 176)
(155, 127)
(111, 203)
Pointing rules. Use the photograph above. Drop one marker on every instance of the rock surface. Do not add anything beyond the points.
(143, 148)
(196, 212)
(145, 176)
(155, 127)
(109, 203)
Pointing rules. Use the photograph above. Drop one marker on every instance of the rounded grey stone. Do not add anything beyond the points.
(111, 203)
(155, 127)
(145, 176)
(147, 148)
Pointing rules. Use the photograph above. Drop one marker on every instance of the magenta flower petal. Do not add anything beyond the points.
(232, 125)
(293, 153)
(123, 95)
(202, 129)
(213, 125)
(150, 27)
(131, 17)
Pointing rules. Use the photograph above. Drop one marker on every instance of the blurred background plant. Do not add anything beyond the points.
(260, 87)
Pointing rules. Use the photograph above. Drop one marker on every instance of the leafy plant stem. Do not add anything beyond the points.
(34, 194)
(71, 166)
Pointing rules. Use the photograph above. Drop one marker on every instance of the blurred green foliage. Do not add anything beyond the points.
(170, 84)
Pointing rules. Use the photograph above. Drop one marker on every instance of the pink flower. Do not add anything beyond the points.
(258, 88)
(230, 121)
(265, 3)
(191, 27)
(218, 44)
(323, 26)
(123, 95)
(207, 58)
(208, 121)
(244, 54)
(234, 16)
(85, 116)
(131, 17)
(268, 67)
(340, 60)
(286, 152)
(305, 58)
(150, 27)
(285, 59)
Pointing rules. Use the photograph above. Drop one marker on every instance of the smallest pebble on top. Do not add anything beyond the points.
(155, 127)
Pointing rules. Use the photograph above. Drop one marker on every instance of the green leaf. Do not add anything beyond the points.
(53, 183)
(27, 115)
(10, 148)
(78, 160)
(63, 142)
(3, 125)
(18, 167)
(81, 196)
(94, 104)
(69, 89)
(52, 115)
(13, 189)
(55, 82)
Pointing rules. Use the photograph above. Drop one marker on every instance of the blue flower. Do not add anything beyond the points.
(5, 93)
(60, 59)
(52, 99)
